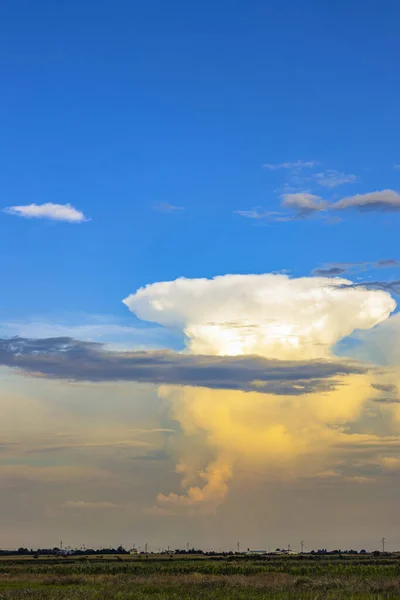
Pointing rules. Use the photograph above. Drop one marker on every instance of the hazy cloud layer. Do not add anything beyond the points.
(82, 505)
(54, 212)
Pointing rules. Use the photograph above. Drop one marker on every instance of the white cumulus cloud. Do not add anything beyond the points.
(269, 315)
(54, 212)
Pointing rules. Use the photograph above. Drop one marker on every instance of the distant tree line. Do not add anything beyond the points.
(57, 551)
(121, 550)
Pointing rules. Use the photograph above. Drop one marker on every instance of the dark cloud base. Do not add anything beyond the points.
(386, 286)
(67, 358)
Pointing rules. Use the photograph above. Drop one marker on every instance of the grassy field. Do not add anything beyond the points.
(234, 578)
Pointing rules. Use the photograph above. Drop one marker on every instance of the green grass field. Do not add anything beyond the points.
(156, 578)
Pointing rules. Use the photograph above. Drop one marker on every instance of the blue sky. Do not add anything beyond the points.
(254, 145)
(114, 107)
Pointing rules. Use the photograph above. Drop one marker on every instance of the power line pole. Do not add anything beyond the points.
(145, 548)
(238, 547)
(383, 544)
(187, 546)
(302, 546)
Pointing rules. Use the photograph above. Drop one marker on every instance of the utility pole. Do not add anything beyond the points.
(187, 546)
(145, 548)
(383, 544)
(238, 547)
(302, 546)
(61, 545)
(288, 548)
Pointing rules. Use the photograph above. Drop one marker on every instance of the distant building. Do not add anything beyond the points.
(64, 552)
(256, 552)
(133, 551)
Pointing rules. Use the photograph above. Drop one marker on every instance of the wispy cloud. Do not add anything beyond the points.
(256, 213)
(81, 504)
(333, 178)
(44, 474)
(94, 328)
(166, 207)
(334, 269)
(303, 205)
(121, 444)
(297, 164)
(54, 212)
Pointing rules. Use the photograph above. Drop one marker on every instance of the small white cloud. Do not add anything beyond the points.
(54, 212)
(298, 164)
(332, 178)
(397, 167)
(384, 201)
